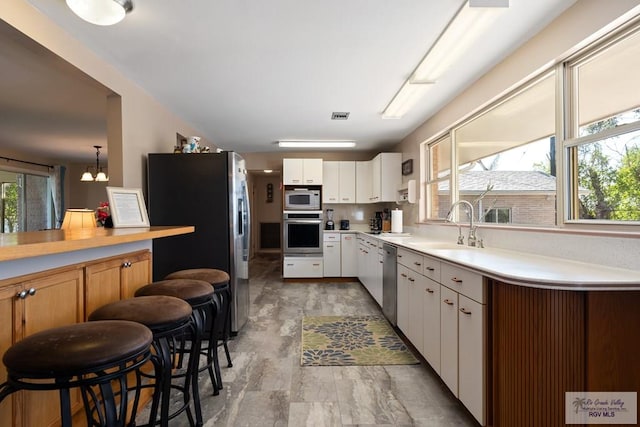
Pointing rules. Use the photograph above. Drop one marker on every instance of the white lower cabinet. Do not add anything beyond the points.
(471, 356)
(301, 267)
(431, 324)
(402, 299)
(331, 259)
(449, 338)
(349, 255)
(370, 266)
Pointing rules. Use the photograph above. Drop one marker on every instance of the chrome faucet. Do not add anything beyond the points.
(472, 239)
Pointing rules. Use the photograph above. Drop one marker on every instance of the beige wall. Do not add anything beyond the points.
(576, 27)
(146, 127)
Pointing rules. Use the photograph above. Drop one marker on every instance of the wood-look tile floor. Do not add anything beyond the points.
(267, 386)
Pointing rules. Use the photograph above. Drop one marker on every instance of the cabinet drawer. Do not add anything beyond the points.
(411, 259)
(431, 268)
(464, 281)
(302, 267)
(331, 237)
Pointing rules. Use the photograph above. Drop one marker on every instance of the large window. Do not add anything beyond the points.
(25, 203)
(604, 133)
(524, 151)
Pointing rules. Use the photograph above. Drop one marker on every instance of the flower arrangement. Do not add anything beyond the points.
(103, 216)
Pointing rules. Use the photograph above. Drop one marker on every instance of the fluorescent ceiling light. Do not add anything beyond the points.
(466, 27)
(101, 12)
(315, 144)
(405, 99)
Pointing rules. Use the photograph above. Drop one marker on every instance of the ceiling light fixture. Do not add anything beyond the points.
(466, 27)
(101, 12)
(100, 175)
(315, 144)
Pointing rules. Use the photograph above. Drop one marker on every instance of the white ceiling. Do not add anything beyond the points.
(247, 73)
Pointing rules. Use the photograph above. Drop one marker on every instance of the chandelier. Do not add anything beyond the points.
(100, 175)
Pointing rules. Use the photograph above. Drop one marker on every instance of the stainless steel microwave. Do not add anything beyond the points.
(302, 199)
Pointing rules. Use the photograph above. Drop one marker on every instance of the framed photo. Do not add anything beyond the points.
(407, 167)
(127, 207)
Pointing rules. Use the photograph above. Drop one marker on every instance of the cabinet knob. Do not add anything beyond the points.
(456, 280)
(403, 275)
(417, 263)
(429, 290)
(465, 311)
(22, 294)
(32, 291)
(430, 268)
(411, 279)
(448, 302)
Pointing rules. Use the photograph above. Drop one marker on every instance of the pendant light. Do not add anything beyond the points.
(100, 175)
(101, 12)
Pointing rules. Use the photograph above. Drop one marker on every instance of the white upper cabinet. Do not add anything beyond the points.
(302, 171)
(378, 179)
(386, 176)
(363, 182)
(339, 182)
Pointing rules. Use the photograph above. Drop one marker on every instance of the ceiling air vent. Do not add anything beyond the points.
(339, 115)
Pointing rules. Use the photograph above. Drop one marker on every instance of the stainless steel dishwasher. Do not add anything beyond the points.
(389, 283)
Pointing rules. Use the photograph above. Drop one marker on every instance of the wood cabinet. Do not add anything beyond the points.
(32, 304)
(302, 171)
(339, 182)
(115, 278)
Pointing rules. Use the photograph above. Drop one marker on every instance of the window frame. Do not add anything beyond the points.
(566, 130)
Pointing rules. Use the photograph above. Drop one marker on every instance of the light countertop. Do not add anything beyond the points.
(522, 268)
(15, 246)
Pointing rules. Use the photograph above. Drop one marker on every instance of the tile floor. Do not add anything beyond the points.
(267, 386)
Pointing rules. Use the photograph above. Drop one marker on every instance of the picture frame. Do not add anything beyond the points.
(407, 167)
(127, 207)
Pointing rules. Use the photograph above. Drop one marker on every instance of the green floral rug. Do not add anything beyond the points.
(352, 340)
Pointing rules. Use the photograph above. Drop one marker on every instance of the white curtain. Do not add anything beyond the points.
(57, 193)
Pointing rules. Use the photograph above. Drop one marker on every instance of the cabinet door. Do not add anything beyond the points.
(331, 184)
(431, 323)
(362, 261)
(390, 176)
(348, 255)
(8, 316)
(292, 171)
(449, 338)
(403, 299)
(347, 184)
(416, 286)
(471, 361)
(312, 171)
(364, 185)
(331, 258)
(102, 284)
(136, 273)
(58, 301)
(376, 176)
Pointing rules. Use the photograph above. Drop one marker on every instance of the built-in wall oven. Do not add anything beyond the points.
(302, 233)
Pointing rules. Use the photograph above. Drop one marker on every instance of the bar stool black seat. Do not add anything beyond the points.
(199, 294)
(168, 318)
(91, 356)
(220, 281)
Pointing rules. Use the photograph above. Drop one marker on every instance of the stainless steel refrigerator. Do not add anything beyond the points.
(208, 191)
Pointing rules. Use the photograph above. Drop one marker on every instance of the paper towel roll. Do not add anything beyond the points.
(396, 221)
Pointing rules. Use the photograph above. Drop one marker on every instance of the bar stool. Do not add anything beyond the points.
(199, 294)
(220, 281)
(90, 356)
(167, 318)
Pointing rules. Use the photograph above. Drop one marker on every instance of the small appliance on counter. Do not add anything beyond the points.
(344, 224)
(375, 223)
(386, 221)
(329, 225)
